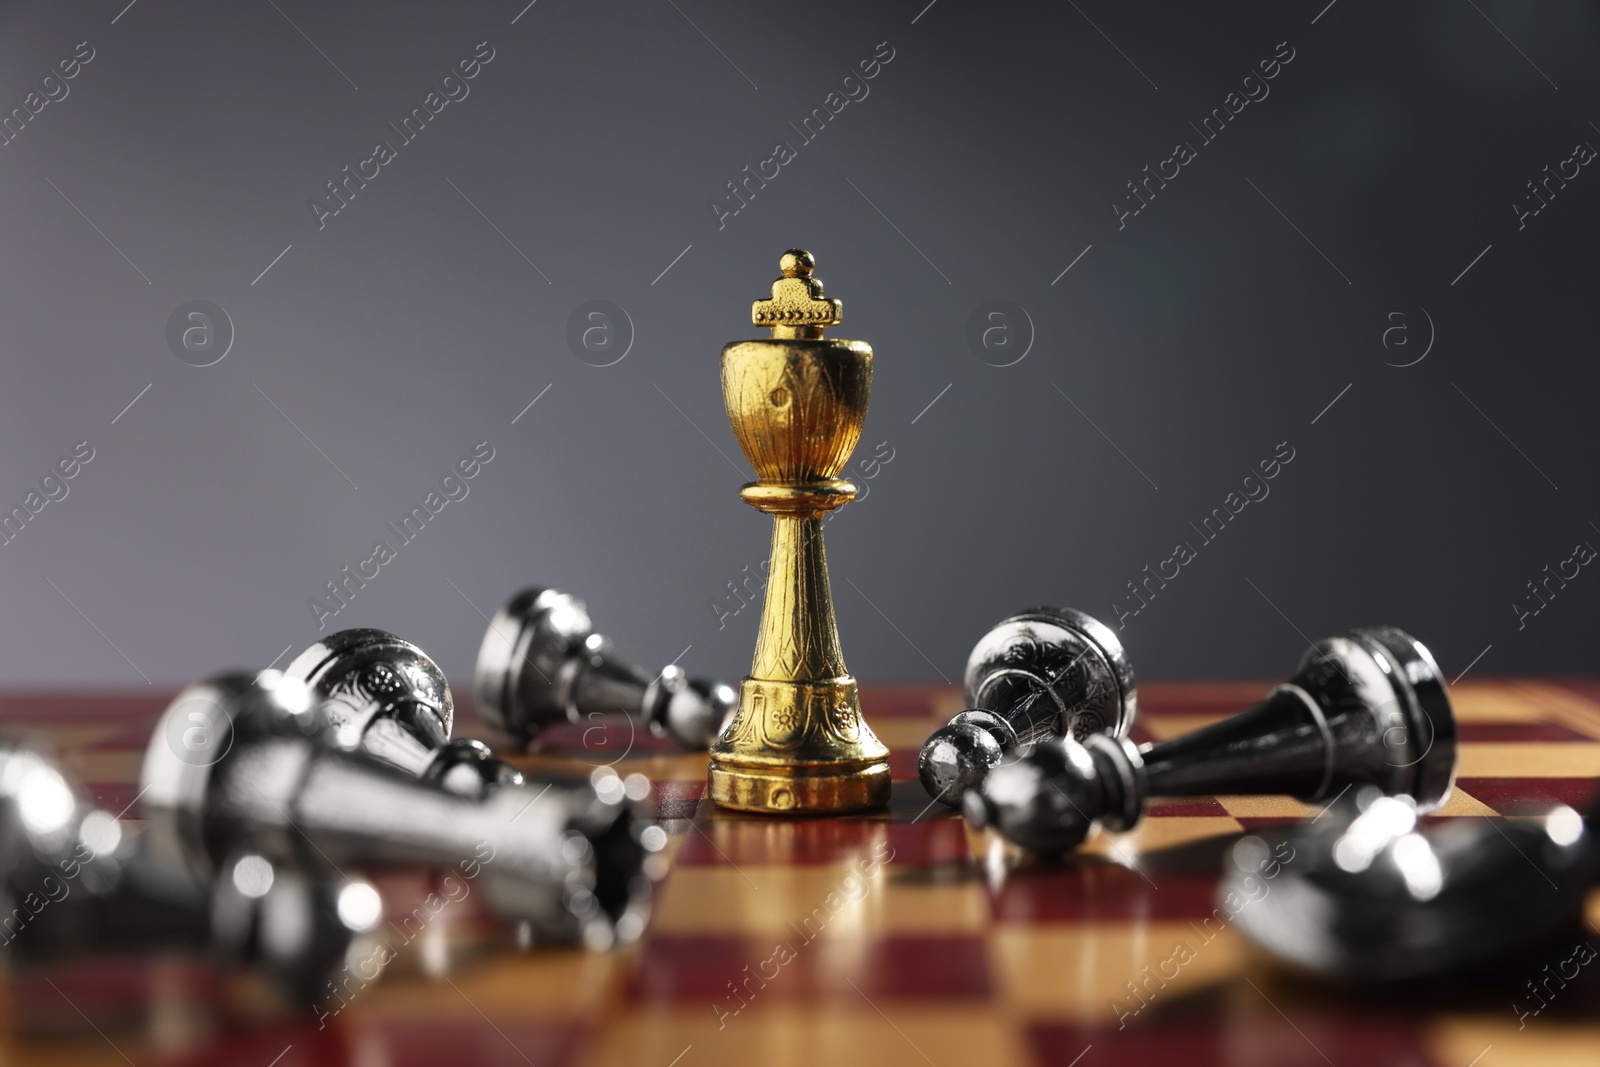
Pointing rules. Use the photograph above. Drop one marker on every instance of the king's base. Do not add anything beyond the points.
(827, 789)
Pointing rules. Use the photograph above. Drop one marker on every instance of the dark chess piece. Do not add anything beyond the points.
(242, 759)
(1365, 707)
(77, 881)
(541, 663)
(386, 697)
(1042, 674)
(1364, 893)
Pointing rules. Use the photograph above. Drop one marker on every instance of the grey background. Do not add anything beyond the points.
(1217, 323)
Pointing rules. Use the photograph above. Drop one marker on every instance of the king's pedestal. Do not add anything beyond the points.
(798, 744)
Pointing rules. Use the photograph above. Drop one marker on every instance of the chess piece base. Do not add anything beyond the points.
(799, 748)
(826, 789)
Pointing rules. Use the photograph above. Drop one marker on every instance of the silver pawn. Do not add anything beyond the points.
(386, 697)
(541, 663)
(1041, 674)
(1368, 707)
(243, 759)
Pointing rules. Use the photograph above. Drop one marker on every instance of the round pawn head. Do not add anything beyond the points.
(695, 711)
(467, 768)
(1045, 801)
(380, 693)
(956, 758)
(1056, 672)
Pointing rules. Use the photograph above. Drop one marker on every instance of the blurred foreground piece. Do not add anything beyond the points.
(76, 881)
(241, 759)
(798, 744)
(541, 663)
(384, 696)
(1366, 894)
(1039, 675)
(1365, 707)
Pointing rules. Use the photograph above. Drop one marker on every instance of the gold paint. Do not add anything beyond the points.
(798, 745)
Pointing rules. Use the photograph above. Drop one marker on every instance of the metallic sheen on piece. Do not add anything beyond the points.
(242, 759)
(384, 696)
(1364, 892)
(1367, 707)
(798, 744)
(541, 663)
(1041, 674)
(77, 881)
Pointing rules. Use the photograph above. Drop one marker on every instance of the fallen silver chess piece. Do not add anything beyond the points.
(1038, 675)
(1370, 894)
(77, 881)
(384, 696)
(243, 759)
(1366, 707)
(541, 663)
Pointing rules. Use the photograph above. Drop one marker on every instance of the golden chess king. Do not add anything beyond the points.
(798, 744)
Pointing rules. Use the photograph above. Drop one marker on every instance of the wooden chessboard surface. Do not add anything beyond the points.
(895, 938)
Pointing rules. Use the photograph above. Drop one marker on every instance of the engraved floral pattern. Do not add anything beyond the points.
(844, 721)
(785, 721)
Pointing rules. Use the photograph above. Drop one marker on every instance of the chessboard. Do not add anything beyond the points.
(893, 938)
